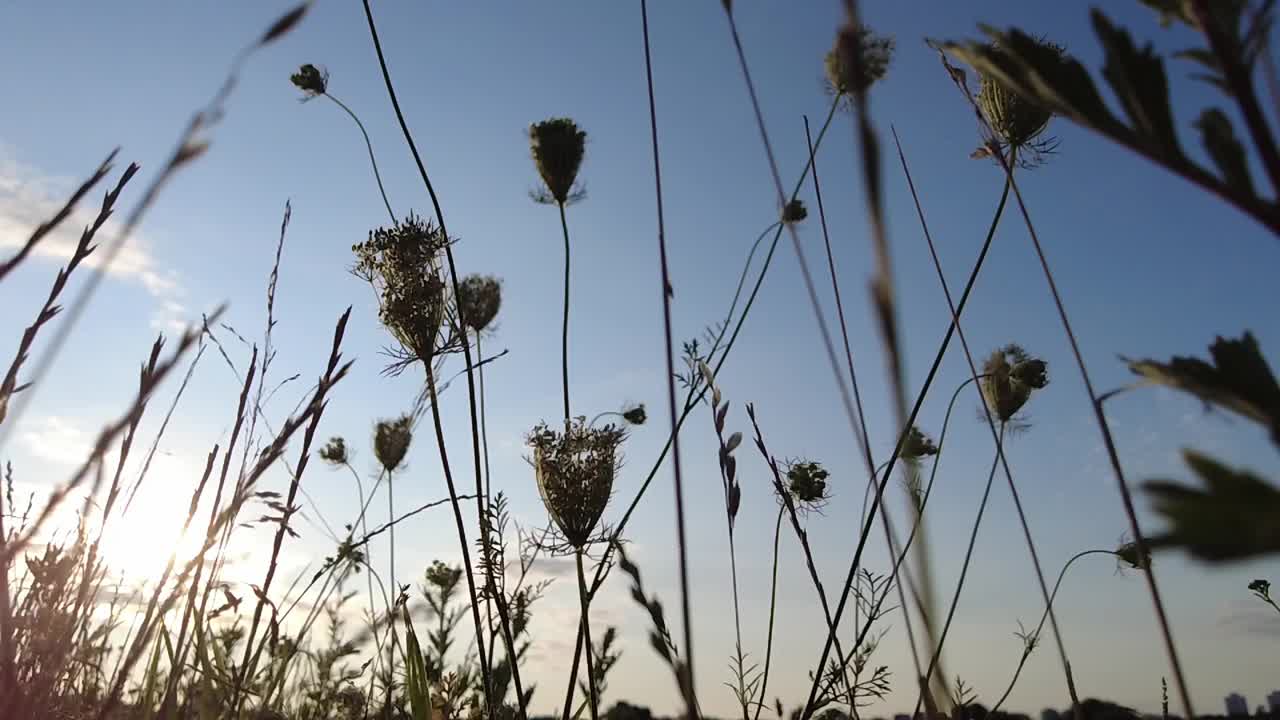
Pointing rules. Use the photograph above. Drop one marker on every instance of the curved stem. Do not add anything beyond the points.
(564, 334)
(773, 604)
(503, 615)
(1044, 616)
(964, 569)
(372, 161)
(586, 633)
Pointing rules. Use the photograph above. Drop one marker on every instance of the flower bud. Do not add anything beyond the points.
(391, 440)
(558, 146)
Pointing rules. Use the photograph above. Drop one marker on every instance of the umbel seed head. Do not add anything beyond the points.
(794, 212)
(479, 298)
(1016, 121)
(403, 264)
(311, 80)
(558, 146)
(391, 440)
(1009, 377)
(335, 452)
(635, 414)
(860, 58)
(807, 483)
(918, 445)
(575, 471)
(1131, 555)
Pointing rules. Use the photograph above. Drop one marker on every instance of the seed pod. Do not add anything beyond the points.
(479, 298)
(557, 146)
(391, 440)
(1015, 120)
(635, 415)
(575, 470)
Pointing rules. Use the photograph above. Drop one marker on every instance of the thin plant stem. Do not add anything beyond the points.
(372, 160)
(915, 410)
(586, 632)
(987, 414)
(564, 332)
(773, 604)
(789, 505)
(666, 292)
(1043, 616)
(964, 568)
(438, 425)
(503, 615)
(1104, 428)
(1114, 457)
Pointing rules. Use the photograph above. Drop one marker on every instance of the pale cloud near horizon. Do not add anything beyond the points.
(29, 196)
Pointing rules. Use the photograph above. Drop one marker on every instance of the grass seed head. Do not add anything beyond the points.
(575, 469)
(558, 145)
(391, 440)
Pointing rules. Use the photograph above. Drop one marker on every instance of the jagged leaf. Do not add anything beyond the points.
(1040, 74)
(1137, 76)
(1239, 380)
(1236, 515)
(1227, 152)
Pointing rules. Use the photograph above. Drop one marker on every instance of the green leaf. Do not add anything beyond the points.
(1137, 76)
(1227, 152)
(1235, 516)
(1239, 380)
(1172, 11)
(416, 685)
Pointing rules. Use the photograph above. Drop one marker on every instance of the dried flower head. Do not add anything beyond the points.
(311, 80)
(575, 469)
(794, 212)
(391, 440)
(860, 58)
(403, 264)
(335, 452)
(918, 445)
(558, 146)
(1131, 555)
(635, 414)
(1010, 376)
(479, 297)
(1262, 588)
(807, 483)
(1016, 121)
(443, 578)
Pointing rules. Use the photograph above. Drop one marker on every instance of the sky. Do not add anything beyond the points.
(1148, 267)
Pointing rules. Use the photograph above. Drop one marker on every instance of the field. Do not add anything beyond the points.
(674, 446)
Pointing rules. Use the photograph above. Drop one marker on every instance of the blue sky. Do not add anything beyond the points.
(1148, 267)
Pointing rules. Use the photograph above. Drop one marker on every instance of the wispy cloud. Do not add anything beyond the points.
(29, 196)
(1255, 618)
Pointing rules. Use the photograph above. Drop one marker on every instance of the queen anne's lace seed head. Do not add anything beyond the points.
(557, 145)
(575, 469)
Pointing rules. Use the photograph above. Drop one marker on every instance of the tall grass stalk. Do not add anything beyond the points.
(669, 355)
(991, 420)
(773, 605)
(471, 395)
